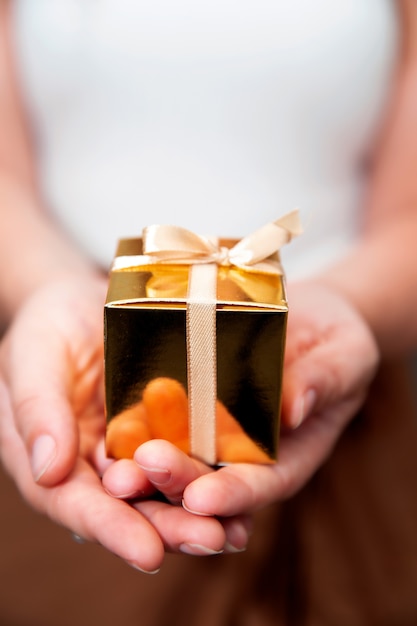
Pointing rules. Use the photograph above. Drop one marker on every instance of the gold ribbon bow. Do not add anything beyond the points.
(176, 245)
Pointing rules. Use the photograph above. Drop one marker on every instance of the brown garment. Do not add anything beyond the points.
(343, 552)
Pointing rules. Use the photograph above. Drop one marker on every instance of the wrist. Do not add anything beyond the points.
(34, 251)
(80, 274)
(324, 289)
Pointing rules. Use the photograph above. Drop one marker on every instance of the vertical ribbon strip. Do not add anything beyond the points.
(170, 244)
(202, 361)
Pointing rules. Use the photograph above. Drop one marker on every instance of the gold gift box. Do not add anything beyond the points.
(146, 358)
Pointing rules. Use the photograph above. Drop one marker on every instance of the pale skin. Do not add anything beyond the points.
(51, 392)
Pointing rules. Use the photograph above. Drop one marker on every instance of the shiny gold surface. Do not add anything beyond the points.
(170, 282)
(145, 341)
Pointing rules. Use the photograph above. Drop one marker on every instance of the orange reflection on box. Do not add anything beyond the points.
(162, 413)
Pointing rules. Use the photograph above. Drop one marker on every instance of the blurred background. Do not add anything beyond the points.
(48, 579)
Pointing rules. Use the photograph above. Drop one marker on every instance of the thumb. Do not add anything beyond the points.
(336, 371)
(34, 367)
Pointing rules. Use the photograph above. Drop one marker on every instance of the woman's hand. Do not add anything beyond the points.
(52, 426)
(331, 357)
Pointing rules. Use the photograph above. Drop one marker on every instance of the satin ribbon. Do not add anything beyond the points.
(175, 245)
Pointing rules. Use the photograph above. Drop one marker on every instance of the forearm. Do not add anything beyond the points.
(33, 250)
(380, 276)
(380, 279)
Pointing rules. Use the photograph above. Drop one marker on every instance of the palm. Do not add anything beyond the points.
(331, 352)
(329, 349)
(51, 384)
(87, 399)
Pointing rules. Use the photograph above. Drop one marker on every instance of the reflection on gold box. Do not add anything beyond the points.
(146, 371)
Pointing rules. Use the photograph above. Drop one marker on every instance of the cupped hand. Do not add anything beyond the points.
(331, 358)
(52, 424)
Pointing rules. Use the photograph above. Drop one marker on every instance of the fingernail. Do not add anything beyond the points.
(236, 536)
(156, 475)
(124, 496)
(303, 408)
(140, 569)
(231, 549)
(43, 454)
(194, 512)
(198, 550)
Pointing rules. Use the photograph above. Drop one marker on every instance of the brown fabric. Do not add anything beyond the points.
(343, 552)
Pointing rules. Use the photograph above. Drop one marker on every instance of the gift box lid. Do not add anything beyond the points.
(166, 284)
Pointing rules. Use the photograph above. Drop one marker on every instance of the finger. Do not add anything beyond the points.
(336, 368)
(51, 361)
(99, 457)
(183, 532)
(244, 488)
(238, 530)
(125, 480)
(196, 535)
(167, 468)
(80, 503)
(33, 366)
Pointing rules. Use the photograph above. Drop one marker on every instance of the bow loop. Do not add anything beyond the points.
(174, 244)
(266, 241)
